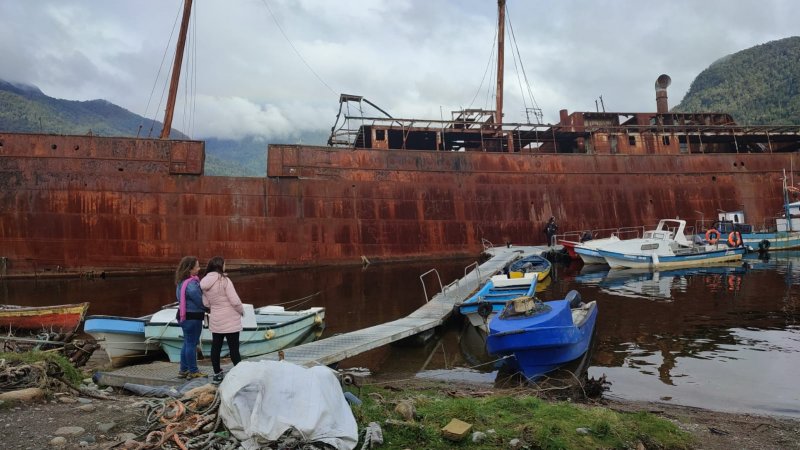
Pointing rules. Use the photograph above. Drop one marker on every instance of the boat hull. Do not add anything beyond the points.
(590, 256)
(122, 338)
(540, 345)
(781, 240)
(58, 318)
(617, 260)
(255, 341)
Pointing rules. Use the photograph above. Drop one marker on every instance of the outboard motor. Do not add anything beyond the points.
(574, 299)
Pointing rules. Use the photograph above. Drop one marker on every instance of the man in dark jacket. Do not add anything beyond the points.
(550, 230)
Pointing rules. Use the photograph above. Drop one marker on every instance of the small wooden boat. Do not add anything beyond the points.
(56, 318)
(542, 336)
(265, 330)
(122, 338)
(532, 263)
(493, 296)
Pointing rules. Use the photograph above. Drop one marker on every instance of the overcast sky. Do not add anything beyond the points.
(413, 58)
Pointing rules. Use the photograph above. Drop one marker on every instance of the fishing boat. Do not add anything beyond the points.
(492, 297)
(542, 336)
(122, 338)
(56, 318)
(385, 187)
(667, 247)
(539, 265)
(265, 330)
(781, 232)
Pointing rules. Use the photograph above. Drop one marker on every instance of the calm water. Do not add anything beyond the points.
(725, 338)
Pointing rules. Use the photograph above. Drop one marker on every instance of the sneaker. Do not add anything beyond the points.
(183, 373)
(192, 375)
(218, 377)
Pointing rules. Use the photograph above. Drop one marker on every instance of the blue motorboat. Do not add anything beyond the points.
(493, 296)
(542, 336)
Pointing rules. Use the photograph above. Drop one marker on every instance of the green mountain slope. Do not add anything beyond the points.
(25, 109)
(757, 86)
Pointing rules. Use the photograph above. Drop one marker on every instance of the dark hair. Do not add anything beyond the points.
(216, 264)
(184, 268)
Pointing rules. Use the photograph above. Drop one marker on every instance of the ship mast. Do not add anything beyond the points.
(501, 33)
(176, 70)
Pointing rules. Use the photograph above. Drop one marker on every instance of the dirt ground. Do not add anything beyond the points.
(34, 425)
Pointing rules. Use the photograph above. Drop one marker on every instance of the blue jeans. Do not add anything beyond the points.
(191, 337)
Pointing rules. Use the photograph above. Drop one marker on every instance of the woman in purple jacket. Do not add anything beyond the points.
(225, 320)
(190, 314)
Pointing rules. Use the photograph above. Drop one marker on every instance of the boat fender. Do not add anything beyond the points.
(712, 236)
(763, 245)
(574, 299)
(484, 309)
(269, 334)
(735, 239)
(317, 319)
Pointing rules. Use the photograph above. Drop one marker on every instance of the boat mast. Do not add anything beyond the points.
(176, 70)
(501, 33)
(786, 209)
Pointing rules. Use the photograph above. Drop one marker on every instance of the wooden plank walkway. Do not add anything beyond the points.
(337, 348)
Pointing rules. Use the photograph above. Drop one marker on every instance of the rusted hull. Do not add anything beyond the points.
(89, 204)
(59, 318)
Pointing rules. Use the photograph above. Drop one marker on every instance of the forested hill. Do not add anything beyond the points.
(757, 86)
(26, 109)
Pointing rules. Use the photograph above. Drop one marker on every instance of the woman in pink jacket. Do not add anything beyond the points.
(225, 321)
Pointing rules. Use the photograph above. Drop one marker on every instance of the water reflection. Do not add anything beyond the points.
(659, 284)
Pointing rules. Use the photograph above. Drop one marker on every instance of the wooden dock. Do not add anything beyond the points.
(337, 348)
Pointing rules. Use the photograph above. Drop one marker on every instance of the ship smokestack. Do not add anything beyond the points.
(663, 81)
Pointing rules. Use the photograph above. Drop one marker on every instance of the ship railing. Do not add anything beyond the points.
(602, 233)
(486, 244)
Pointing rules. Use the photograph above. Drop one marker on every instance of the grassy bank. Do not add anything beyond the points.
(514, 414)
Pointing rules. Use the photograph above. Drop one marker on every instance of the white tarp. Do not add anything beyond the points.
(260, 400)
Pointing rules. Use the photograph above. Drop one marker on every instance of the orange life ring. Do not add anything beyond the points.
(735, 239)
(715, 233)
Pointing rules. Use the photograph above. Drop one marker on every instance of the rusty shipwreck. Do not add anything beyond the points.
(386, 189)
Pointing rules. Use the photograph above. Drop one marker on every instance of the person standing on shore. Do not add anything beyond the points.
(190, 314)
(225, 321)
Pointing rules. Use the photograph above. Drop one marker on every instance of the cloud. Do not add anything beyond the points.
(412, 57)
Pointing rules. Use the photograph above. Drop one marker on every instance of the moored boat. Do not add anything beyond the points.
(531, 264)
(265, 330)
(122, 338)
(56, 318)
(493, 296)
(667, 246)
(542, 336)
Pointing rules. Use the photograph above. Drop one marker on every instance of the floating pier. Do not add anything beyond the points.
(337, 348)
